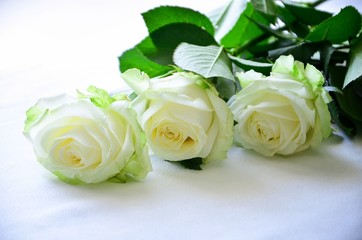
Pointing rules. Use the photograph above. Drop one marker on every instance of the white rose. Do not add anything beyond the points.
(182, 116)
(84, 143)
(283, 113)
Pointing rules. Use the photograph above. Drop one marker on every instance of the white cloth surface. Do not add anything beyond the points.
(52, 47)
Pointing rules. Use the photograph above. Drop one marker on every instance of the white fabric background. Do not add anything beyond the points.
(52, 47)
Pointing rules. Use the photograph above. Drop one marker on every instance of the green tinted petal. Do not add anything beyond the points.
(73, 181)
(325, 96)
(119, 97)
(245, 78)
(314, 77)
(138, 167)
(99, 97)
(324, 116)
(203, 83)
(33, 114)
(284, 65)
(298, 71)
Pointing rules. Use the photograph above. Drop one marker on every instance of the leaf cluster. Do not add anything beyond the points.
(251, 34)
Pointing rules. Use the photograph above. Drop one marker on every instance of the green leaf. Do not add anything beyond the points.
(193, 163)
(244, 31)
(307, 15)
(150, 50)
(135, 58)
(285, 15)
(302, 52)
(265, 6)
(271, 31)
(339, 28)
(225, 88)
(168, 27)
(260, 48)
(209, 61)
(357, 85)
(326, 52)
(337, 118)
(246, 65)
(167, 38)
(349, 101)
(291, 22)
(226, 17)
(355, 62)
(162, 16)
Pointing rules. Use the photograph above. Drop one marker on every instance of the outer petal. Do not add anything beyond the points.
(138, 165)
(248, 77)
(137, 80)
(284, 65)
(36, 113)
(225, 121)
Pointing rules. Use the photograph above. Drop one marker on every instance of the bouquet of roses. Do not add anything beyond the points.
(272, 76)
